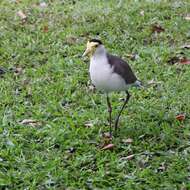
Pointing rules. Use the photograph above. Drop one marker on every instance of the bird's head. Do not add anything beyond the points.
(91, 46)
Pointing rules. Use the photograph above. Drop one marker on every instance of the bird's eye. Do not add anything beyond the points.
(96, 45)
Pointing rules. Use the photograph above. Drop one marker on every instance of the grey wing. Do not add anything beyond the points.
(122, 68)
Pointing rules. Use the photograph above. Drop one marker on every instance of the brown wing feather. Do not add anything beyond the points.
(122, 68)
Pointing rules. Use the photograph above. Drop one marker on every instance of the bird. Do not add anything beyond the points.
(109, 73)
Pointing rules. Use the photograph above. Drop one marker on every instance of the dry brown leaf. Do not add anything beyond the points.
(157, 28)
(31, 122)
(180, 117)
(45, 29)
(130, 157)
(185, 61)
(108, 147)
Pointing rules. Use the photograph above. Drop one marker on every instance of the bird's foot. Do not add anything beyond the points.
(116, 128)
(110, 132)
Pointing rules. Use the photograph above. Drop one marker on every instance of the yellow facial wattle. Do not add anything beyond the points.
(90, 48)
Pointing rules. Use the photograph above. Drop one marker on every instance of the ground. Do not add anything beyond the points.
(44, 78)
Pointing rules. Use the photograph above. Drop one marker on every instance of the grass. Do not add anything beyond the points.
(44, 78)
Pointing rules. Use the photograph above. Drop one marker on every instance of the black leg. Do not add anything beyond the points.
(122, 108)
(110, 111)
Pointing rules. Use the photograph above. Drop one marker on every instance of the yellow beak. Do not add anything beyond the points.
(87, 51)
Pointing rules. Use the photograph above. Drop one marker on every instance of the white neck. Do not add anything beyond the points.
(100, 51)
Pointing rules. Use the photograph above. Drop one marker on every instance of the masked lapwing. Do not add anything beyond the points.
(109, 73)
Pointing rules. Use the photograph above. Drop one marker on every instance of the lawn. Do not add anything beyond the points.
(51, 121)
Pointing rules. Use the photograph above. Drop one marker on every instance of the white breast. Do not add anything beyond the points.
(102, 75)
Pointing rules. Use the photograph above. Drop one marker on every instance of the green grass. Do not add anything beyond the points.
(53, 88)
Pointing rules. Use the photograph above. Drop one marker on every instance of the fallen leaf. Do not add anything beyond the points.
(45, 29)
(142, 13)
(31, 122)
(180, 117)
(127, 141)
(108, 147)
(187, 17)
(22, 15)
(130, 157)
(157, 28)
(185, 61)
